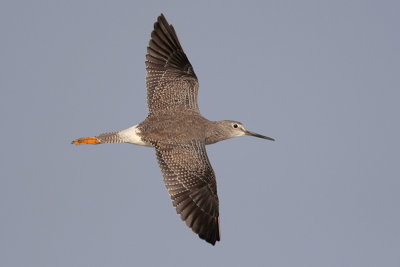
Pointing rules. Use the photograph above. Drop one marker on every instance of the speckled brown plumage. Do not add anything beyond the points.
(178, 132)
(171, 82)
(176, 129)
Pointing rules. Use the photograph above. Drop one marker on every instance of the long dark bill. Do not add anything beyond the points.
(259, 135)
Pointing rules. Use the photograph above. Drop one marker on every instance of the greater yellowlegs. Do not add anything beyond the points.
(178, 132)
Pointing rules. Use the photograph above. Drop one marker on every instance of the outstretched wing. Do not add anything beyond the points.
(171, 82)
(191, 183)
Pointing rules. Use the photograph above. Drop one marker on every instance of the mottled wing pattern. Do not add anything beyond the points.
(191, 183)
(171, 81)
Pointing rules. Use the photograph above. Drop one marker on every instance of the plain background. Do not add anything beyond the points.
(322, 77)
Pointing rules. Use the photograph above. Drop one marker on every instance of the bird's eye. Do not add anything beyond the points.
(235, 125)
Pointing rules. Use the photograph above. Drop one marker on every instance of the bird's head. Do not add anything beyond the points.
(236, 129)
(229, 129)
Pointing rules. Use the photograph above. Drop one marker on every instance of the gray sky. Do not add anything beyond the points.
(322, 77)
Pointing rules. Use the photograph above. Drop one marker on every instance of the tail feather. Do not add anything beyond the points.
(111, 137)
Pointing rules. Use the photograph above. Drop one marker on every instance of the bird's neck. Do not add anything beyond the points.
(215, 132)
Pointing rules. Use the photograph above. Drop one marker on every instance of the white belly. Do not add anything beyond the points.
(131, 135)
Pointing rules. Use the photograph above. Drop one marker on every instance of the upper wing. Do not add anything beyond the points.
(171, 82)
(191, 183)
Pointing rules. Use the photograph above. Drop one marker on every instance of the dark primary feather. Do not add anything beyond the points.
(171, 81)
(191, 183)
(177, 131)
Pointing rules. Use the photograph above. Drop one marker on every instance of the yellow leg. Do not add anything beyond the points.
(86, 140)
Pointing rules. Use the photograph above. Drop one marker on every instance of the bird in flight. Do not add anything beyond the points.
(178, 132)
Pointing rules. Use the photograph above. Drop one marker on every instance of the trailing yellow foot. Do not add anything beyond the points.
(86, 140)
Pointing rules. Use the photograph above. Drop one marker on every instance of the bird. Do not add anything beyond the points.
(178, 132)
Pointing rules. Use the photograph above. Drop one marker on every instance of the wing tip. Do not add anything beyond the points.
(211, 237)
(210, 233)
